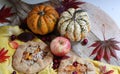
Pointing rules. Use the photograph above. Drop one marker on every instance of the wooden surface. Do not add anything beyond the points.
(97, 18)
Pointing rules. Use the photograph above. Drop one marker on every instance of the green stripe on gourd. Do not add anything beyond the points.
(66, 14)
(70, 30)
(74, 23)
(71, 11)
(77, 32)
(63, 27)
(82, 19)
(84, 28)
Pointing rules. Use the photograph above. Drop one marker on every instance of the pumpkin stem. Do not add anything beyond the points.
(41, 13)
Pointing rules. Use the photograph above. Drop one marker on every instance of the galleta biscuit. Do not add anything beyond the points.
(31, 57)
(76, 65)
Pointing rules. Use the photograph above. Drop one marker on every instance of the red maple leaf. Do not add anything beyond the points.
(105, 48)
(104, 71)
(3, 56)
(5, 12)
(66, 4)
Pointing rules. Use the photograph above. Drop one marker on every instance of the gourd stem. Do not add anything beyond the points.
(73, 18)
(78, 11)
(41, 13)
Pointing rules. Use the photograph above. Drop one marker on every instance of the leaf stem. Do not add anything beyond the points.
(103, 32)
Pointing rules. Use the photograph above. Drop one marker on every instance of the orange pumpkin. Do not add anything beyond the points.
(42, 19)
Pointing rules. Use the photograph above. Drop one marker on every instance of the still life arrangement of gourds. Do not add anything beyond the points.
(57, 27)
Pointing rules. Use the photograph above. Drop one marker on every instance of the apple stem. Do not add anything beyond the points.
(61, 42)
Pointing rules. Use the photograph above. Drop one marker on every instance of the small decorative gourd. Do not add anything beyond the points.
(74, 24)
(42, 19)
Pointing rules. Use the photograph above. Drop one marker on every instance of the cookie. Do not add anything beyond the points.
(32, 57)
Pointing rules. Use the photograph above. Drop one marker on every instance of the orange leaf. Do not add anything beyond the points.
(13, 44)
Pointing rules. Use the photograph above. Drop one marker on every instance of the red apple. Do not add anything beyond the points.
(60, 46)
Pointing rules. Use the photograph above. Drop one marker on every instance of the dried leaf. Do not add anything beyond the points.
(108, 47)
(105, 49)
(95, 50)
(13, 44)
(95, 44)
(3, 56)
(1, 51)
(109, 72)
(113, 53)
(104, 70)
(65, 57)
(97, 57)
(5, 12)
(100, 55)
(23, 24)
(114, 41)
(66, 4)
(116, 47)
(107, 55)
(26, 36)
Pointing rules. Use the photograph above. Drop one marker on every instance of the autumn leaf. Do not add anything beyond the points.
(3, 56)
(5, 12)
(26, 36)
(103, 70)
(66, 4)
(105, 48)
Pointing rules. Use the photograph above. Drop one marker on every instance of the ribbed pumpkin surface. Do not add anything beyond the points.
(42, 19)
(74, 24)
